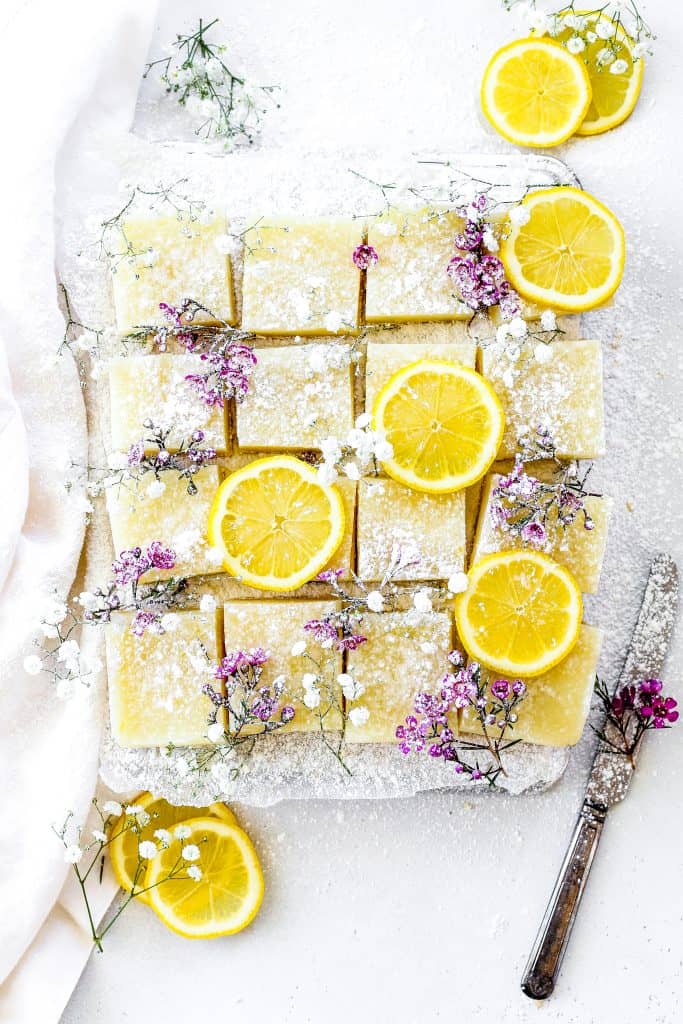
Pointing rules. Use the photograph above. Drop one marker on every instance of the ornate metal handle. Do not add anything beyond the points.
(551, 942)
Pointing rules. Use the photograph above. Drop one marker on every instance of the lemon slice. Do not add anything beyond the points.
(613, 96)
(571, 252)
(535, 93)
(123, 849)
(275, 523)
(520, 614)
(227, 896)
(444, 423)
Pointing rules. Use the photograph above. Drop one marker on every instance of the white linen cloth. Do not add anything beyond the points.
(75, 86)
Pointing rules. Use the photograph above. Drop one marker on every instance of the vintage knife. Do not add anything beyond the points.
(608, 782)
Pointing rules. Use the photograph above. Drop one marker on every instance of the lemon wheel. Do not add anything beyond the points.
(227, 896)
(275, 523)
(569, 255)
(444, 422)
(123, 848)
(520, 614)
(535, 93)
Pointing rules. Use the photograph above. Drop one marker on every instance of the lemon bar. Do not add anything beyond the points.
(384, 360)
(431, 525)
(564, 395)
(580, 550)
(300, 278)
(298, 396)
(345, 556)
(154, 388)
(155, 681)
(555, 708)
(409, 280)
(405, 654)
(175, 258)
(139, 515)
(277, 626)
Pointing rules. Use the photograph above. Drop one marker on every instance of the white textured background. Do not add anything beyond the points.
(409, 911)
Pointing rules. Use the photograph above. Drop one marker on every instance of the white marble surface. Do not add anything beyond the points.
(421, 909)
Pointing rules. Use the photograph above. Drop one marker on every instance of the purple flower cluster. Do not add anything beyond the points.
(365, 256)
(326, 633)
(226, 376)
(493, 704)
(478, 275)
(134, 563)
(330, 575)
(246, 701)
(176, 326)
(647, 701)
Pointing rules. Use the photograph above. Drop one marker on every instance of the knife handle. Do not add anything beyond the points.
(546, 956)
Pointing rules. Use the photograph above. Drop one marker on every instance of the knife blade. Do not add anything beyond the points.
(608, 781)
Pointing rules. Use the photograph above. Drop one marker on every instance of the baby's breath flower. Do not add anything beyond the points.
(163, 836)
(457, 583)
(422, 601)
(620, 67)
(182, 831)
(112, 807)
(375, 601)
(298, 648)
(33, 665)
(358, 716)
(576, 44)
(194, 872)
(190, 852)
(99, 836)
(147, 849)
(73, 854)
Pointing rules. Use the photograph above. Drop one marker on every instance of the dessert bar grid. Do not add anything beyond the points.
(296, 765)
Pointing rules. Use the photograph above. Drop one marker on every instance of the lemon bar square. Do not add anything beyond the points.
(555, 708)
(563, 395)
(430, 525)
(276, 626)
(298, 396)
(405, 654)
(300, 278)
(345, 555)
(175, 258)
(141, 514)
(384, 360)
(154, 388)
(409, 280)
(580, 550)
(155, 681)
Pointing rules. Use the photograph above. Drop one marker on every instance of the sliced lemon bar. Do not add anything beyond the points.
(277, 626)
(430, 525)
(385, 359)
(174, 258)
(580, 550)
(555, 708)
(298, 396)
(300, 278)
(345, 555)
(155, 681)
(154, 388)
(143, 513)
(409, 280)
(405, 654)
(563, 394)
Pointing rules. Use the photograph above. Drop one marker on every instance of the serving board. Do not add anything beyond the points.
(285, 766)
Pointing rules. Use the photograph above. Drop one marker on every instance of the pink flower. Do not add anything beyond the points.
(365, 256)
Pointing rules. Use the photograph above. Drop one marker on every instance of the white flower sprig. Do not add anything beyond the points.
(360, 453)
(226, 106)
(85, 854)
(618, 25)
(58, 652)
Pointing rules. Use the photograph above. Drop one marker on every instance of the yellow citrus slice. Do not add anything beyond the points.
(535, 93)
(444, 423)
(613, 96)
(227, 896)
(275, 523)
(571, 252)
(520, 614)
(123, 849)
